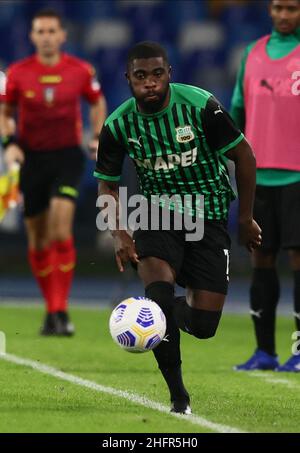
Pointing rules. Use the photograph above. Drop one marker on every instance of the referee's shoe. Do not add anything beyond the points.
(57, 324)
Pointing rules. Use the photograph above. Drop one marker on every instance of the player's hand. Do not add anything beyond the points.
(124, 249)
(13, 154)
(250, 234)
(93, 146)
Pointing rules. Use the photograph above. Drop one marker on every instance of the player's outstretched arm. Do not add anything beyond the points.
(123, 243)
(245, 174)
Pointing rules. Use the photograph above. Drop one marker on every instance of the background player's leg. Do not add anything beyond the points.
(159, 279)
(38, 233)
(41, 256)
(264, 296)
(293, 363)
(265, 288)
(294, 256)
(68, 168)
(61, 217)
(290, 223)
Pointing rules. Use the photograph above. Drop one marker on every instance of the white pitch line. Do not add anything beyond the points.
(133, 397)
(270, 378)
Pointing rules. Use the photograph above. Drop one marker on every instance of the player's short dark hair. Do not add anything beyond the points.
(48, 12)
(146, 49)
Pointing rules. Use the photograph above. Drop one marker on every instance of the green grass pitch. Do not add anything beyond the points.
(34, 402)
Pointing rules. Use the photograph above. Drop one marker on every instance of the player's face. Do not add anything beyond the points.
(47, 35)
(285, 15)
(149, 80)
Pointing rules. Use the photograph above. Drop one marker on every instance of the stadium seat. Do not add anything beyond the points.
(147, 19)
(201, 36)
(107, 33)
(202, 53)
(83, 11)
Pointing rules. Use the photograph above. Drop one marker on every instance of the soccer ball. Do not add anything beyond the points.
(137, 324)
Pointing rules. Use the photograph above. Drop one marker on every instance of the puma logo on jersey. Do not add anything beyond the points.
(297, 315)
(256, 313)
(218, 111)
(169, 162)
(265, 83)
(134, 140)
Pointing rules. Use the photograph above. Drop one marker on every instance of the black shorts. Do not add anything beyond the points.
(277, 211)
(200, 264)
(49, 174)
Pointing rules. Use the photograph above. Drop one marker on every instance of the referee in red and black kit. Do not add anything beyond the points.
(45, 90)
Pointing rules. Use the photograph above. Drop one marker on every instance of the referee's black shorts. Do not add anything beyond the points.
(277, 211)
(200, 264)
(49, 174)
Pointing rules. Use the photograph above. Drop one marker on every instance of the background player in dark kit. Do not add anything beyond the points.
(269, 116)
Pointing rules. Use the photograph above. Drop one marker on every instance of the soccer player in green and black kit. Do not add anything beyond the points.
(266, 104)
(177, 135)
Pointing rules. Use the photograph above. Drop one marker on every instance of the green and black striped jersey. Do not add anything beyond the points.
(178, 150)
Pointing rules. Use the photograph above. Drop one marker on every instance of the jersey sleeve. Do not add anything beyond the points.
(238, 92)
(220, 131)
(10, 92)
(237, 109)
(91, 89)
(110, 157)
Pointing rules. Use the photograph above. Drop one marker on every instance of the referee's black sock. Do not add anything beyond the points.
(297, 299)
(264, 296)
(167, 353)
